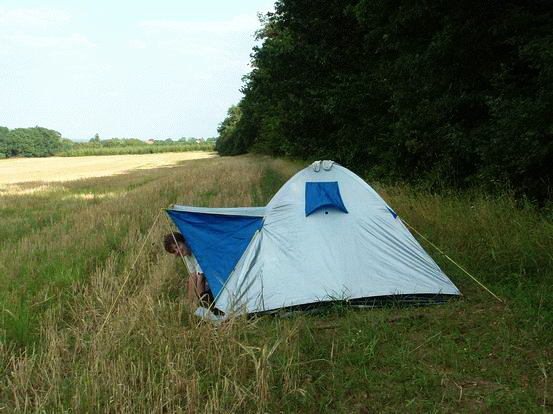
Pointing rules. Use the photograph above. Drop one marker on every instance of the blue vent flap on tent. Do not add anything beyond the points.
(218, 241)
(325, 194)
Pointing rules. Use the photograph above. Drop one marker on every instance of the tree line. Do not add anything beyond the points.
(454, 93)
(42, 142)
(30, 142)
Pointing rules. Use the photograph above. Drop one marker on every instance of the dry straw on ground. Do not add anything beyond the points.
(72, 168)
(66, 249)
(152, 356)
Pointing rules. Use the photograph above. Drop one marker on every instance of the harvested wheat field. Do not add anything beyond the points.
(72, 168)
(93, 315)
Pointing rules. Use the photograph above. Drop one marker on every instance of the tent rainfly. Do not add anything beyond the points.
(325, 236)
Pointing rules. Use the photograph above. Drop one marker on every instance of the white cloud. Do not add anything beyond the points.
(72, 41)
(60, 64)
(137, 44)
(35, 17)
(235, 25)
(30, 29)
(202, 76)
(193, 49)
(211, 44)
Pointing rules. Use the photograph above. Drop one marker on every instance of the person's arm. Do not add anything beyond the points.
(197, 285)
(202, 282)
(194, 287)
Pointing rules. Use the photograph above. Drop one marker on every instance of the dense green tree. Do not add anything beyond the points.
(32, 142)
(455, 93)
(95, 141)
(50, 141)
(226, 129)
(42, 142)
(4, 132)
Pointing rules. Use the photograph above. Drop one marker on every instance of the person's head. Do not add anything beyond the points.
(180, 248)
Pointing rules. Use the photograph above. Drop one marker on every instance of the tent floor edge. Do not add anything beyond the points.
(374, 302)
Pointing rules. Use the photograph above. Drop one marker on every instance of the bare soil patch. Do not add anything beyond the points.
(72, 168)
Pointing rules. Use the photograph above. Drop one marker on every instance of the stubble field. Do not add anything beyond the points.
(67, 248)
(72, 168)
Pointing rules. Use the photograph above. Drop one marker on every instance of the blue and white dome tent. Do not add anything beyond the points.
(326, 235)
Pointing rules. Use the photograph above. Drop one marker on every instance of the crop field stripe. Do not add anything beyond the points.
(53, 169)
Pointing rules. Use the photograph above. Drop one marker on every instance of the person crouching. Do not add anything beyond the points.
(197, 288)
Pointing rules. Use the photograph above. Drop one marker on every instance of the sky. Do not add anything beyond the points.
(126, 69)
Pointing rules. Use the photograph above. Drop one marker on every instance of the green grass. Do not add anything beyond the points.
(271, 181)
(80, 151)
(68, 250)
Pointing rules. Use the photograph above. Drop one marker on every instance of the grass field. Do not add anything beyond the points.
(67, 247)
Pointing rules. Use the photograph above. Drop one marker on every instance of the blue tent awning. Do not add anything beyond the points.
(218, 241)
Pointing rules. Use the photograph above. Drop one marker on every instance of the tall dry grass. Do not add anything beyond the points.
(61, 276)
(152, 355)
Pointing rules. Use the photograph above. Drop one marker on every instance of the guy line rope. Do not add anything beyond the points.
(127, 275)
(453, 261)
(132, 267)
